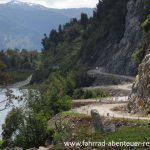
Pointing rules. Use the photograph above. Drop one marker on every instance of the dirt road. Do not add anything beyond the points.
(21, 83)
(105, 109)
(106, 106)
(101, 72)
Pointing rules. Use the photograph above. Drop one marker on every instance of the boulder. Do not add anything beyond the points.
(97, 122)
(139, 99)
(100, 125)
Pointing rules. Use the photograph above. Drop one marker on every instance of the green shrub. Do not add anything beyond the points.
(78, 94)
(139, 54)
(86, 94)
(115, 81)
(146, 24)
(2, 144)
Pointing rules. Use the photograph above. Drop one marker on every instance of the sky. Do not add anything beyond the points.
(61, 3)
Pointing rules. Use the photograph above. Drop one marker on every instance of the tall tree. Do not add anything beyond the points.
(84, 19)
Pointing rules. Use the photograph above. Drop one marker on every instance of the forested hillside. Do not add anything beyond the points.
(108, 39)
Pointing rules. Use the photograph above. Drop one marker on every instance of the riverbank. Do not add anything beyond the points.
(6, 104)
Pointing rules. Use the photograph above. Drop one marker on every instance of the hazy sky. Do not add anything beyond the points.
(61, 3)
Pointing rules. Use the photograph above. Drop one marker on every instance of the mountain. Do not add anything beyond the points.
(22, 25)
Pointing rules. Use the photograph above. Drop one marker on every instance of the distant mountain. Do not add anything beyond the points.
(22, 25)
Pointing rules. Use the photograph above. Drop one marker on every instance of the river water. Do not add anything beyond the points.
(3, 100)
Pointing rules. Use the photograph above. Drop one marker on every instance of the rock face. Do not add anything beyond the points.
(113, 53)
(140, 96)
(121, 62)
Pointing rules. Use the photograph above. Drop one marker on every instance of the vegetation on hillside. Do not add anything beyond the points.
(4, 75)
(146, 24)
(139, 54)
(73, 45)
(108, 21)
(20, 63)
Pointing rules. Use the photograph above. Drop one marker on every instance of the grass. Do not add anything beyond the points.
(85, 132)
(72, 114)
(129, 134)
(144, 122)
(66, 117)
(19, 75)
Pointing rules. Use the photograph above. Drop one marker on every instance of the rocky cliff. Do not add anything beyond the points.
(121, 62)
(113, 52)
(140, 96)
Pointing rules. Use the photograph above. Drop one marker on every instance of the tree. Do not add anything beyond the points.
(54, 36)
(55, 95)
(73, 33)
(84, 20)
(46, 43)
(60, 33)
(25, 129)
(4, 75)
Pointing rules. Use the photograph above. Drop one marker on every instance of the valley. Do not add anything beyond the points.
(87, 78)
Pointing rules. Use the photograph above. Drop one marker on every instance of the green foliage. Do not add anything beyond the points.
(20, 63)
(40, 75)
(108, 21)
(57, 93)
(25, 128)
(139, 54)
(84, 20)
(81, 77)
(86, 94)
(1, 144)
(20, 59)
(138, 133)
(75, 42)
(4, 75)
(19, 75)
(115, 81)
(146, 24)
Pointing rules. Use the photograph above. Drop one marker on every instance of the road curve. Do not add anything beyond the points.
(18, 84)
(125, 87)
(100, 72)
(21, 83)
(105, 109)
(106, 106)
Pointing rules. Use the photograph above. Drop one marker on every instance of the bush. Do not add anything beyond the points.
(146, 24)
(86, 94)
(25, 129)
(139, 54)
(78, 94)
(1, 144)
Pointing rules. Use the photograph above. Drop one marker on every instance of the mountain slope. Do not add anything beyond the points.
(22, 25)
(121, 36)
(108, 39)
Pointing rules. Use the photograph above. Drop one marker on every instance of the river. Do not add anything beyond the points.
(4, 99)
